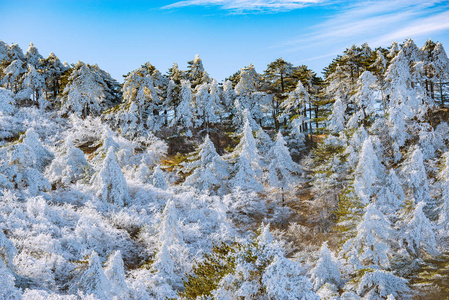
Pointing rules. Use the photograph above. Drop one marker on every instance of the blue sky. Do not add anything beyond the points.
(227, 34)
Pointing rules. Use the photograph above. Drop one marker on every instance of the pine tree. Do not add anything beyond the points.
(92, 280)
(111, 182)
(115, 272)
(371, 245)
(418, 233)
(326, 269)
(281, 167)
(368, 173)
(183, 112)
(196, 73)
(364, 100)
(209, 170)
(443, 220)
(33, 57)
(337, 119)
(158, 178)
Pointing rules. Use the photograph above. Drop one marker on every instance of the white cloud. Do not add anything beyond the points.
(248, 5)
(376, 22)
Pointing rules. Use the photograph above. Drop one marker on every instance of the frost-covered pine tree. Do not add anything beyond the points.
(34, 82)
(7, 253)
(379, 284)
(206, 107)
(33, 57)
(371, 245)
(391, 196)
(337, 119)
(196, 73)
(295, 102)
(247, 168)
(158, 179)
(183, 112)
(69, 166)
(7, 273)
(326, 269)
(209, 170)
(263, 141)
(443, 220)
(281, 167)
(369, 172)
(115, 272)
(164, 277)
(92, 280)
(12, 75)
(416, 177)
(364, 99)
(418, 233)
(111, 182)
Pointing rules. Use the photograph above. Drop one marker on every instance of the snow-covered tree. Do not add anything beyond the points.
(371, 245)
(337, 119)
(295, 102)
(92, 280)
(196, 73)
(364, 99)
(281, 167)
(111, 182)
(115, 272)
(326, 269)
(209, 170)
(158, 178)
(369, 172)
(183, 112)
(418, 233)
(69, 166)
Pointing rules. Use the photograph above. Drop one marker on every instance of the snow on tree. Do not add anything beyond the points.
(158, 178)
(379, 284)
(371, 245)
(418, 233)
(6, 101)
(7, 253)
(263, 141)
(196, 73)
(337, 119)
(206, 107)
(326, 269)
(247, 166)
(244, 205)
(34, 81)
(12, 75)
(210, 171)
(364, 99)
(69, 166)
(391, 196)
(111, 182)
(33, 57)
(295, 102)
(281, 167)
(53, 69)
(88, 91)
(393, 50)
(416, 177)
(183, 112)
(115, 272)
(296, 139)
(164, 277)
(369, 172)
(228, 94)
(42, 157)
(282, 279)
(92, 280)
(443, 220)
(15, 52)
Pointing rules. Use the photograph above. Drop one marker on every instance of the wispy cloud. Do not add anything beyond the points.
(376, 22)
(248, 5)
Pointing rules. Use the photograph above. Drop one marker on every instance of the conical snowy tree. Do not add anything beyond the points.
(7, 272)
(364, 99)
(34, 81)
(111, 182)
(326, 269)
(295, 102)
(183, 112)
(164, 277)
(7, 252)
(379, 284)
(416, 177)
(92, 280)
(33, 57)
(337, 119)
(196, 73)
(369, 172)
(391, 196)
(263, 141)
(281, 167)
(69, 167)
(210, 171)
(371, 245)
(247, 166)
(443, 220)
(12, 75)
(115, 272)
(158, 178)
(418, 233)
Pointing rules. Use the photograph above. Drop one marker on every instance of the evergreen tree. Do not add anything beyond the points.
(115, 272)
(111, 182)
(158, 178)
(196, 73)
(326, 269)
(183, 112)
